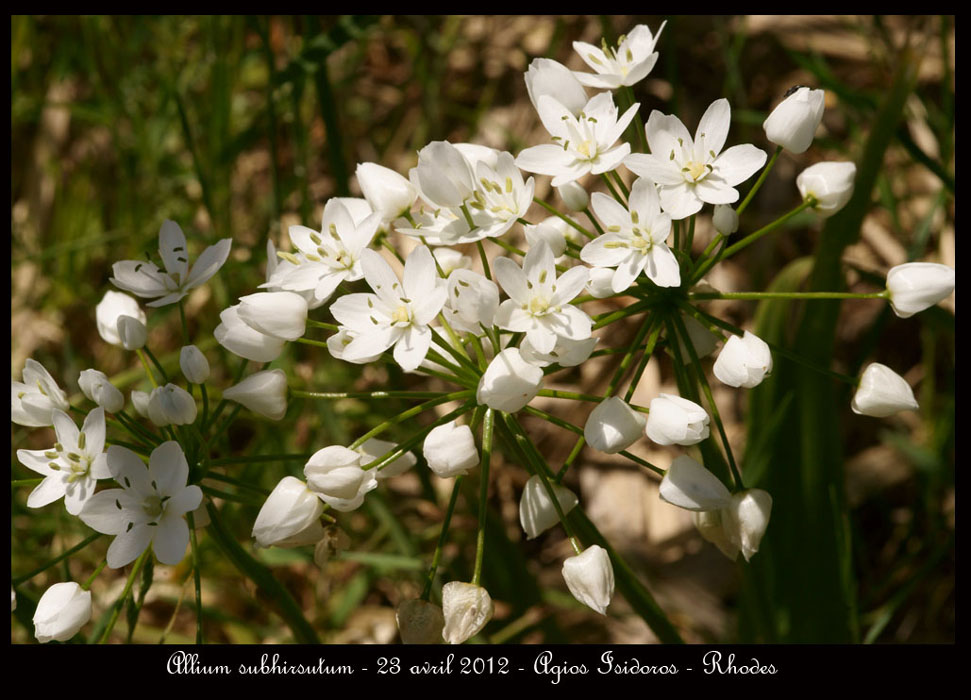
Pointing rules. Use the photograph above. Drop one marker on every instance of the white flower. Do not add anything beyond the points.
(171, 405)
(328, 257)
(34, 399)
(634, 239)
(613, 426)
(551, 231)
(150, 507)
(96, 386)
(63, 610)
(574, 196)
(548, 77)
(917, 286)
(581, 144)
(601, 282)
(335, 475)
(793, 123)
(290, 517)
(472, 301)
(110, 309)
(831, 184)
(145, 279)
(743, 361)
(882, 392)
(676, 421)
(139, 399)
(132, 332)
(374, 449)
(389, 193)
(73, 466)
(450, 450)
(281, 315)
(590, 578)
(242, 340)
(443, 175)
(264, 393)
(567, 353)
(691, 172)
(340, 340)
(715, 526)
(500, 197)
(509, 382)
(747, 519)
(397, 314)
(420, 622)
(689, 485)
(539, 301)
(537, 514)
(627, 64)
(451, 260)
(725, 219)
(466, 608)
(194, 365)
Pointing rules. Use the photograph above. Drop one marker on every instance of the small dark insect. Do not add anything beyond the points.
(793, 89)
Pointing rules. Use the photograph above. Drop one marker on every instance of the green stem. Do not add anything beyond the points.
(561, 394)
(185, 326)
(555, 212)
(596, 224)
(411, 412)
(616, 195)
(484, 259)
(638, 122)
(56, 560)
(487, 427)
(25, 482)
(124, 594)
(86, 586)
(756, 296)
(601, 320)
(758, 183)
(297, 393)
(645, 358)
(321, 324)
(442, 537)
(197, 577)
(148, 368)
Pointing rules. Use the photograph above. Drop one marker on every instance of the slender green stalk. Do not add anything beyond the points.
(25, 482)
(197, 577)
(411, 412)
(638, 122)
(297, 393)
(555, 212)
(148, 369)
(185, 326)
(645, 358)
(613, 191)
(223, 402)
(442, 537)
(758, 296)
(86, 586)
(601, 320)
(758, 183)
(487, 427)
(321, 324)
(124, 594)
(56, 560)
(416, 438)
(561, 394)
(596, 224)
(216, 476)
(485, 260)
(620, 184)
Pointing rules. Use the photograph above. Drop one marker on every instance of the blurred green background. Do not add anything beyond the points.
(242, 126)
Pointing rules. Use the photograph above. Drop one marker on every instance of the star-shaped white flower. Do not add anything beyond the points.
(149, 509)
(328, 257)
(397, 313)
(635, 239)
(33, 400)
(539, 301)
(73, 466)
(145, 279)
(627, 64)
(691, 172)
(581, 144)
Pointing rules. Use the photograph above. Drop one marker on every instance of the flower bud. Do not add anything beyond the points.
(264, 393)
(613, 426)
(111, 307)
(725, 219)
(472, 300)
(237, 337)
(281, 315)
(420, 622)
(466, 608)
(97, 387)
(290, 517)
(793, 123)
(537, 513)
(703, 340)
(509, 382)
(566, 352)
(917, 286)
(32, 401)
(171, 405)
(450, 450)
(63, 610)
(601, 282)
(389, 193)
(574, 196)
(676, 421)
(689, 485)
(140, 399)
(830, 183)
(132, 332)
(548, 77)
(451, 260)
(443, 174)
(590, 578)
(334, 473)
(340, 340)
(711, 525)
(195, 366)
(882, 392)
(549, 231)
(748, 514)
(743, 361)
